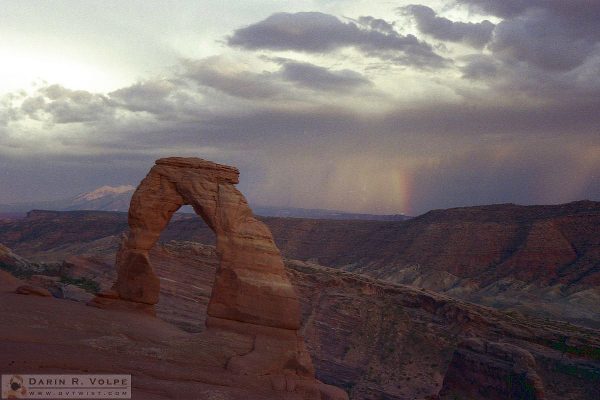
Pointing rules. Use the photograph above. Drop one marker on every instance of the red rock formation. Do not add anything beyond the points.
(251, 294)
(11, 261)
(544, 251)
(8, 281)
(43, 335)
(376, 339)
(513, 258)
(33, 290)
(494, 371)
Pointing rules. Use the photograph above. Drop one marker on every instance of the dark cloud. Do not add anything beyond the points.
(376, 24)
(165, 99)
(475, 34)
(320, 78)
(573, 9)
(541, 39)
(60, 105)
(479, 67)
(577, 89)
(154, 96)
(336, 157)
(68, 106)
(528, 173)
(316, 32)
(58, 176)
(503, 9)
(543, 52)
(519, 127)
(222, 75)
(238, 81)
(547, 34)
(200, 92)
(306, 31)
(219, 120)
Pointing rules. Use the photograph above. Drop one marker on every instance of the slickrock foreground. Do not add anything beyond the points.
(251, 296)
(43, 335)
(375, 339)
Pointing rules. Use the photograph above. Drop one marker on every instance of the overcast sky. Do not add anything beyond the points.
(365, 106)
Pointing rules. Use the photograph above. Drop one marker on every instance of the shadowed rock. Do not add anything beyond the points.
(490, 370)
(33, 290)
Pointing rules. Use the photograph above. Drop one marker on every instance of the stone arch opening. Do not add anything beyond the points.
(251, 294)
(185, 260)
(250, 284)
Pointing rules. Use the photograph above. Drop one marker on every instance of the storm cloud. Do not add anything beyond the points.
(548, 34)
(348, 112)
(61, 105)
(322, 78)
(316, 32)
(376, 24)
(476, 34)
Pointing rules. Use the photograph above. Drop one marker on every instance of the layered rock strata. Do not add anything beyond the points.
(483, 369)
(251, 294)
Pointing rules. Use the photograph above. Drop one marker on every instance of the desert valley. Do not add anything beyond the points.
(497, 301)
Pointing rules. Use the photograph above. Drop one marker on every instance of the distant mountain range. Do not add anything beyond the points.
(116, 198)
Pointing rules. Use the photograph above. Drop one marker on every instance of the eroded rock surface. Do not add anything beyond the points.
(251, 295)
(512, 258)
(490, 370)
(251, 285)
(33, 290)
(375, 339)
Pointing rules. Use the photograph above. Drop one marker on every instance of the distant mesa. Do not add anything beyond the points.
(536, 260)
(317, 213)
(252, 294)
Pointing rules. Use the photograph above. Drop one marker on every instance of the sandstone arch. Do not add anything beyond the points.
(251, 295)
(250, 285)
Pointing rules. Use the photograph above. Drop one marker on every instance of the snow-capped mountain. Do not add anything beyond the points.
(105, 191)
(105, 198)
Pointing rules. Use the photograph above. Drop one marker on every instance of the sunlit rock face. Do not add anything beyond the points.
(251, 294)
(251, 285)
